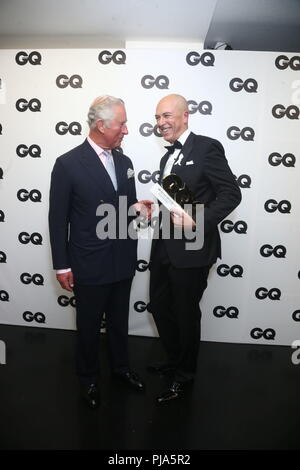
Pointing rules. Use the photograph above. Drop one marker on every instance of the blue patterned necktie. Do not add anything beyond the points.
(110, 168)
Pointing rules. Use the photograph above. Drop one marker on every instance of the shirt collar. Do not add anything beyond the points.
(96, 147)
(184, 136)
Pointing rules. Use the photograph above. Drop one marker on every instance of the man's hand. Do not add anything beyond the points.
(66, 280)
(181, 218)
(145, 208)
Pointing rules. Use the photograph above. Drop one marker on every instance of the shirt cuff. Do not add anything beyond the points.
(63, 271)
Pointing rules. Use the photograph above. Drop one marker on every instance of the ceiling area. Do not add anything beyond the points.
(271, 25)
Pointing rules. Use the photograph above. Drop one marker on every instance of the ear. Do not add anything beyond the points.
(186, 117)
(100, 126)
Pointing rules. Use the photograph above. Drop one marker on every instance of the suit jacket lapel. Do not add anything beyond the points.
(96, 170)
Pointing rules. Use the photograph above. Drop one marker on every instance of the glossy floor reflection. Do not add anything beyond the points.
(244, 397)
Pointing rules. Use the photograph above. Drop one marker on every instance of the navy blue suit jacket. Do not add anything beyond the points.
(79, 184)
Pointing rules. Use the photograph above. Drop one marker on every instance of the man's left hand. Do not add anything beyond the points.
(144, 208)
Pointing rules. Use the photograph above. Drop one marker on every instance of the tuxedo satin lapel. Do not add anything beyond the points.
(95, 169)
(162, 166)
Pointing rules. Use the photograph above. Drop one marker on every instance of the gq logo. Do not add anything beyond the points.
(34, 195)
(287, 160)
(244, 181)
(291, 112)
(282, 62)
(0, 129)
(147, 129)
(247, 133)
(258, 333)
(239, 227)
(4, 296)
(62, 128)
(230, 312)
(38, 317)
(205, 107)
(106, 57)
(34, 151)
(284, 206)
(34, 105)
(65, 301)
(235, 271)
(75, 81)
(296, 315)
(35, 238)
(145, 176)
(2, 257)
(1, 173)
(34, 58)
(249, 85)
(142, 265)
(140, 306)
(162, 82)
(194, 58)
(36, 279)
(278, 251)
(273, 294)
(2, 216)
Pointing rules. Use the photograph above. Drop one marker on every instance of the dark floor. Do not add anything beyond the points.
(245, 397)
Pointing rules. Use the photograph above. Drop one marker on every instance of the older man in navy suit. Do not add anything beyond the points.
(99, 268)
(178, 275)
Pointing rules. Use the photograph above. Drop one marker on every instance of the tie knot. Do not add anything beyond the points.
(176, 145)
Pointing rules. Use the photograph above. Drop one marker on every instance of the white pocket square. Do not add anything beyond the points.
(130, 173)
(190, 162)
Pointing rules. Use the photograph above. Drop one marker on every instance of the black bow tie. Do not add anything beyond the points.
(171, 148)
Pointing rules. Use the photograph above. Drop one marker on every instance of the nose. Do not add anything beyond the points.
(124, 129)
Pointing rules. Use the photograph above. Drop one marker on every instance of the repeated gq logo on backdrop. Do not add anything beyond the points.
(34, 105)
(249, 85)
(2, 216)
(162, 82)
(62, 128)
(273, 294)
(33, 150)
(146, 176)
(4, 296)
(239, 227)
(204, 107)
(231, 312)
(296, 315)
(287, 160)
(75, 81)
(291, 112)
(194, 58)
(33, 58)
(35, 238)
(244, 181)
(65, 301)
(282, 62)
(279, 251)
(34, 195)
(146, 129)
(284, 206)
(142, 265)
(235, 271)
(2, 257)
(38, 317)
(268, 333)
(246, 133)
(27, 278)
(106, 57)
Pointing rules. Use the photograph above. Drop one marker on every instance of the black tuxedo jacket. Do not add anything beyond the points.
(206, 172)
(79, 184)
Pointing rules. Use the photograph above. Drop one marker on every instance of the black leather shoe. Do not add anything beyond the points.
(161, 368)
(175, 391)
(90, 394)
(131, 379)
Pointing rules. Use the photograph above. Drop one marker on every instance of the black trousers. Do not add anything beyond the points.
(91, 303)
(175, 294)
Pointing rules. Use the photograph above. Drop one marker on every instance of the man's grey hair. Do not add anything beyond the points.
(103, 108)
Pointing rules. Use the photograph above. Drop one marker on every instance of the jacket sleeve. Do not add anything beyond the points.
(59, 210)
(224, 185)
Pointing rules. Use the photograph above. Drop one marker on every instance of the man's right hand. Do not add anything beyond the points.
(66, 280)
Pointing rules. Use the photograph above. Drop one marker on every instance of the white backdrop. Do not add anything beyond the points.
(253, 293)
